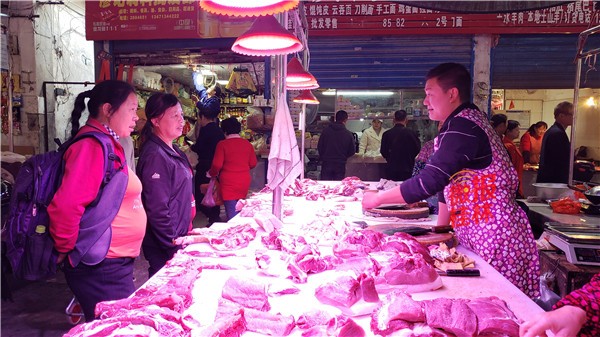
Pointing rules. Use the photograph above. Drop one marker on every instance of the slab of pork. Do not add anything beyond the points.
(248, 292)
(452, 315)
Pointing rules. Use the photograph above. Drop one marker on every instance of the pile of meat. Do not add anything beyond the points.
(399, 315)
(150, 311)
(313, 190)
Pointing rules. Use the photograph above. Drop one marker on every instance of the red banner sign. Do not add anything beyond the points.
(156, 19)
(335, 18)
(183, 19)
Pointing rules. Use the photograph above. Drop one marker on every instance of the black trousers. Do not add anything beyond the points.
(212, 213)
(157, 257)
(333, 171)
(111, 279)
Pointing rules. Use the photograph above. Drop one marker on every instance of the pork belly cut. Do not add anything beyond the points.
(258, 321)
(233, 325)
(493, 317)
(414, 246)
(357, 243)
(351, 329)
(248, 292)
(408, 269)
(396, 311)
(343, 291)
(452, 315)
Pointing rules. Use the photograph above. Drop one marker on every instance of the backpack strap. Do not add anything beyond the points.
(110, 157)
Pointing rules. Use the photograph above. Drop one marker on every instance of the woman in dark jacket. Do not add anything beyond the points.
(166, 176)
(209, 135)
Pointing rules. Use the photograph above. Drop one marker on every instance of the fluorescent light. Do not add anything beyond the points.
(357, 93)
(223, 82)
(590, 101)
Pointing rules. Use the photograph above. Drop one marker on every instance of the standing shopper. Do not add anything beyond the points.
(555, 158)
(512, 133)
(335, 146)
(167, 180)
(234, 158)
(472, 168)
(531, 142)
(370, 140)
(112, 110)
(499, 123)
(209, 135)
(400, 146)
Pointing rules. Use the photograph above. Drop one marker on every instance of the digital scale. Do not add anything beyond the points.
(580, 243)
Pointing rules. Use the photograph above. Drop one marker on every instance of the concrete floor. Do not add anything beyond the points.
(38, 308)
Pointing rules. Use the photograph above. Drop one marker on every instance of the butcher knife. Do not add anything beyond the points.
(459, 272)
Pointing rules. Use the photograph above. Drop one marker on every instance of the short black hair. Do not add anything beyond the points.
(453, 75)
(400, 115)
(498, 119)
(231, 126)
(341, 116)
(512, 125)
(563, 107)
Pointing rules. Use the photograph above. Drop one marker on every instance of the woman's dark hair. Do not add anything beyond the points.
(450, 75)
(231, 126)
(512, 125)
(532, 129)
(112, 92)
(498, 119)
(156, 106)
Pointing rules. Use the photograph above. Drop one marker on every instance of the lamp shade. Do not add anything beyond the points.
(306, 85)
(296, 73)
(247, 7)
(306, 97)
(266, 37)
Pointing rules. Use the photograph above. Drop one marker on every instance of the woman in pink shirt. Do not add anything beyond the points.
(531, 142)
(97, 256)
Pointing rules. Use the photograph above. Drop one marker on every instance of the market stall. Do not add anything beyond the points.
(239, 262)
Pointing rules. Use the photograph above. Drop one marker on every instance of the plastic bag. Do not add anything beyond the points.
(547, 298)
(212, 197)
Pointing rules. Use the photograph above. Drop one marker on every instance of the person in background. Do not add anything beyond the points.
(472, 168)
(399, 146)
(234, 158)
(512, 133)
(208, 136)
(370, 140)
(336, 145)
(112, 110)
(498, 122)
(531, 142)
(210, 99)
(128, 148)
(555, 158)
(577, 314)
(167, 181)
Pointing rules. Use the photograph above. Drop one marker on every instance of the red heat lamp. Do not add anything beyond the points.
(296, 72)
(247, 7)
(306, 85)
(306, 97)
(266, 37)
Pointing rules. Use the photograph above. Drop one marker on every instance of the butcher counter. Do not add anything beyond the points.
(317, 222)
(208, 287)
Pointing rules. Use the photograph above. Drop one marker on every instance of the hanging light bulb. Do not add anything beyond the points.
(247, 7)
(266, 37)
(306, 97)
(296, 72)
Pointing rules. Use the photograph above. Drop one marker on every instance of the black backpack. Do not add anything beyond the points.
(30, 247)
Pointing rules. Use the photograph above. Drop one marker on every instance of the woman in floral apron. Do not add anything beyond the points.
(475, 181)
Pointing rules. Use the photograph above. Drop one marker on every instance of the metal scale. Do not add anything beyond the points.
(580, 243)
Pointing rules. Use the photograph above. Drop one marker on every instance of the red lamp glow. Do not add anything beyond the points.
(306, 97)
(247, 7)
(306, 85)
(266, 37)
(296, 73)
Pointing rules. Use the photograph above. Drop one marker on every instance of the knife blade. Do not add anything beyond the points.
(459, 272)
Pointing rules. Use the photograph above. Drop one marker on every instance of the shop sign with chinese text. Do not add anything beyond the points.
(183, 19)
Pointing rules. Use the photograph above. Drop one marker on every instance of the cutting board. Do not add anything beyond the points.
(401, 211)
(437, 238)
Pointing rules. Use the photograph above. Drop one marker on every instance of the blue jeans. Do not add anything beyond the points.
(230, 208)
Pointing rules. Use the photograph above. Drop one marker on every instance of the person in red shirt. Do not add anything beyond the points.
(512, 133)
(577, 314)
(112, 110)
(531, 142)
(234, 158)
